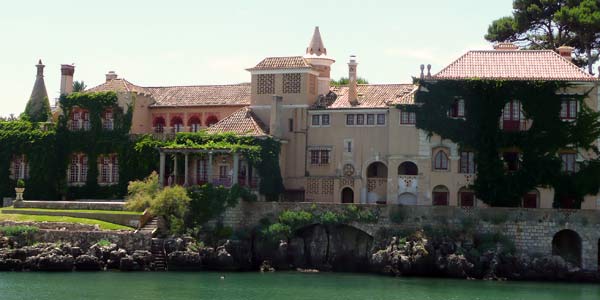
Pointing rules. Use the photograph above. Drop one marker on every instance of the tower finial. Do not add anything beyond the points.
(316, 46)
(40, 68)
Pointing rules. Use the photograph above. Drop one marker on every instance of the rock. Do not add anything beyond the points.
(127, 263)
(88, 263)
(143, 258)
(11, 264)
(458, 266)
(224, 260)
(315, 245)
(76, 251)
(114, 258)
(51, 262)
(184, 260)
(266, 267)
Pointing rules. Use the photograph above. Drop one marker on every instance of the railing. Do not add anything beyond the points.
(221, 180)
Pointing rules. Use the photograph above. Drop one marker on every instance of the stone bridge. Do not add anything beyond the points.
(533, 231)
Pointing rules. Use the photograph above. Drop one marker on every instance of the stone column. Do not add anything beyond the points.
(236, 165)
(185, 181)
(175, 168)
(209, 167)
(161, 171)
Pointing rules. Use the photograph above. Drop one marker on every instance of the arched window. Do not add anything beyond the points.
(439, 196)
(177, 124)
(408, 168)
(211, 120)
(159, 124)
(194, 124)
(440, 160)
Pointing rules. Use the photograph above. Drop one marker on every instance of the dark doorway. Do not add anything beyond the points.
(567, 244)
(347, 195)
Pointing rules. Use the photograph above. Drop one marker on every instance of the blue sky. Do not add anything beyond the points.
(154, 43)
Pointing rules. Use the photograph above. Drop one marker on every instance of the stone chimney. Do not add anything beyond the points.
(506, 47)
(352, 88)
(565, 52)
(275, 121)
(111, 75)
(66, 79)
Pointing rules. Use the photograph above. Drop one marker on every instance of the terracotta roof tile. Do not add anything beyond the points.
(369, 96)
(242, 122)
(514, 65)
(118, 85)
(288, 62)
(198, 95)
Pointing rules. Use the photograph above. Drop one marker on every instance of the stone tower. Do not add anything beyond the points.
(38, 107)
(316, 55)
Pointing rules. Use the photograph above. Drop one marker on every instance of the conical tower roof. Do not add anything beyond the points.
(316, 46)
(38, 107)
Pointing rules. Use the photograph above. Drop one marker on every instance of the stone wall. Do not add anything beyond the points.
(532, 230)
(98, 205)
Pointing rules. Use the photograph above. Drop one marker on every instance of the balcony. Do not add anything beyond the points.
(408, 184)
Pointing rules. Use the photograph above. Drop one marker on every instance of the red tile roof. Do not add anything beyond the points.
(369, 96)
(288, 62)
(118, 85)
(242, 122)
(514, 65)
(199, 95)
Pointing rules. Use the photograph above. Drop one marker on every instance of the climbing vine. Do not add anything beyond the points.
(479, 131)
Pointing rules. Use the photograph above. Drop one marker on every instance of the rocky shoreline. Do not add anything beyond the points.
(315, 249)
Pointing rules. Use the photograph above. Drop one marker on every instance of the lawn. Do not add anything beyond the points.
(35, 218)
(89, 211)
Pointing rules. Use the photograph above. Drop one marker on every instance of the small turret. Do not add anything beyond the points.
(38, 106)
(316, 56)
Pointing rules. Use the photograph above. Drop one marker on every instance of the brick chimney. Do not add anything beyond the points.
(275, 120)
(111, 75)
(506, 47)
(66, 79)
(565, 52)
(352, 92)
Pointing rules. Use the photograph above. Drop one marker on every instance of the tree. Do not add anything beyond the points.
(38, 109)
(344, 81)
(79, 86)
(583, 18)
(549, 24)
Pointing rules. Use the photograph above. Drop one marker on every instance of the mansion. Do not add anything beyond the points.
(340, 144)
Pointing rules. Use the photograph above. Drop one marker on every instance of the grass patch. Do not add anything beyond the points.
(87, 211)
(35, 218)
(18, 230)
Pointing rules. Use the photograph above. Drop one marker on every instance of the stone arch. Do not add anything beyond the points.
(347, 195)
(408, 168)
(210, 120)
(567, 244)
(407, 199)
(376, 173)
(440, 195)
(159, 124)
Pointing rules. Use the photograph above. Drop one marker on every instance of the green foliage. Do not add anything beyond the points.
(79, 86)
(20, 183)
(277, 231)
(103, 243)
(538, 146)
(296, 219)
(18, 230)
(491, 241)
(142, 193)
(345, 80)
(38, 110)
(172, 203)
(209, 201)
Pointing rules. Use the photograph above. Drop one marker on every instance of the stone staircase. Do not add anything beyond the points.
(158, 254)
(150, 226)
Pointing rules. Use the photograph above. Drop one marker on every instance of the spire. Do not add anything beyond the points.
(38, 107)
(316, 46)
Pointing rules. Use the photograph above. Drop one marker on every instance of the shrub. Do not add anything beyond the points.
(172, 203)
(140, 194)
(296, 219)
(208, 202)
(277, 232)
(18, 230)
(103, 243)
(21, 183)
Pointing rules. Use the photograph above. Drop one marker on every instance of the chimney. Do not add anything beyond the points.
(565, 52)
(275, 121)
(506, 47)
(111, 75)
(66, 79)
(352, 93)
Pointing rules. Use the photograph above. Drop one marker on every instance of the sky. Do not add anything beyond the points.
(177, 42)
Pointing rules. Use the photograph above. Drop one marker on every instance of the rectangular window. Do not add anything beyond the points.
(360, 119)
(370, 119)
(314, 157)
(265, 84)
(569, 162)
(467, 162)
(201, 171)
(325, 120)
(380, 119)
(319, 157)
(512, 116)
(316, 120)
(291, 125)
(324, 157)
(568, 109)
(223, 171)
(457, 109)
(408, 117)
(349, 119)
(348, 146)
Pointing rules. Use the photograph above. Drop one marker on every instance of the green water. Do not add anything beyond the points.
(287, 286)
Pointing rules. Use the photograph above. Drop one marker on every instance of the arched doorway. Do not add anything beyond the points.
(567, 244)
(377, 182)
(211, 120)
(466, 197)
(408, 168)
(347, 195)
(439, 196)
(407, 199)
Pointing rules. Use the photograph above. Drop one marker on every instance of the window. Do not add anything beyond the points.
(530, 200)
(457, 109)
(201, 171)
(370, 119)
(19, 167)
(348, 146)
(109, 169)
(291, 125)
(223, 171)
(78, 169)
(408, 117)
(107, 120)
(440, 196)
(380, 119)
(85, 121)
(512, 115)
(265, 84)
(440, 160)
(159, 125)
(292, 83)
(319, 157)
(80, 120)
(177, 124)
(349, 119)
(360, 119)
(211, 120)
(320, 120)
(569, 162)
(568, 109)
(194, 124)
(467, 162)
(467, 198)
(511, 160)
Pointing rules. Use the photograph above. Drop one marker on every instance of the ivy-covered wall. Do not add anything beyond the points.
(539, 146)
